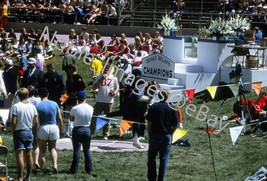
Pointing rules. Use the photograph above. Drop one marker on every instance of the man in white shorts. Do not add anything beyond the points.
(51, 125)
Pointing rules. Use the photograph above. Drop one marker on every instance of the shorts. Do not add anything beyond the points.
(48, 132)
(23, 140)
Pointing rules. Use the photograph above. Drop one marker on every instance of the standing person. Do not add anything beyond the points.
(81, 116)
(4, 15)
(10, 76)
(33, 99)
(24, 118)
(108, 86)
(32, 75)
(74, 84)
(162, 122)
(51, 125)
(54, 82)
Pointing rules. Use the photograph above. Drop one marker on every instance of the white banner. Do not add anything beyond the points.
(235, 132)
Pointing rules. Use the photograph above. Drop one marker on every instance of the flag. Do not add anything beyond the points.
(212, 90)
(178, 133)
(235, 132)
(257, 87)
(190, 94)
(235, 89)
(124, 126)
(100, 122)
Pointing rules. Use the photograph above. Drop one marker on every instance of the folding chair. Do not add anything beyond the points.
(3, 158)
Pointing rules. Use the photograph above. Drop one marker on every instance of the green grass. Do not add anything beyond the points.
(232, 163)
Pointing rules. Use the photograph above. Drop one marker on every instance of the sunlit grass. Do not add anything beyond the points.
(186, 163)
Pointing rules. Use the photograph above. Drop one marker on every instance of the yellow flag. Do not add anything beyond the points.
(124, 126)
(257, 87)
(212, 90)
(178, 133)
(1, 140)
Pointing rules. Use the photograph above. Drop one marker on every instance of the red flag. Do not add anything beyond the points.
(190, 94)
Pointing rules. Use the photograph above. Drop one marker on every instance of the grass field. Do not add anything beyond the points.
(232, 163)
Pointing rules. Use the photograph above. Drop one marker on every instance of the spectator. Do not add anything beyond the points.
(258, 33)
(10, 77)
(4, 14)
(51, 125)
(24, 119)
(34, 100)
(81, 116)
(32, 76)
(162, 122)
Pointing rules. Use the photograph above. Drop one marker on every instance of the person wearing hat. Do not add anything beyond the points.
(32, 75)
(10, 76)
(81, 116)
(74, 84)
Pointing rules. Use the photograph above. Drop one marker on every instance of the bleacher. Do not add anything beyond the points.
(149, 13)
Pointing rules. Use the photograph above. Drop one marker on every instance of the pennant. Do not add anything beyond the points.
(178, 133)
(235, 89)
(257, 87)
(209, 130)
(64, 98)
(212, 90)
(235, 132)
(190, 94)
(100, 122)
(124, 126)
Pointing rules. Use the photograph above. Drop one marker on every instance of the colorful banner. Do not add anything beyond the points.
(124, 126)
(100, 122)
(235, 89)
(257, 87)
(212, 90)
(190, 94)
(235, 132)
(178, 133)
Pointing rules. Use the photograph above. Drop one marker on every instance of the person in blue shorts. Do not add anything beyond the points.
(24, 119)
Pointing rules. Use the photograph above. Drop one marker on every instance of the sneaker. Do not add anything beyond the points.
(139, 146)
(105, 138)
(142, 138)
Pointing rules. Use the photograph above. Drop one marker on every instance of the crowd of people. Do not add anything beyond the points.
(249, 7)
(83, 12)
(34, 91)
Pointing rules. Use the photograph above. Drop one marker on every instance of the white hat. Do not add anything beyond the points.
(8, 61)
(124, 57)
(31, 61)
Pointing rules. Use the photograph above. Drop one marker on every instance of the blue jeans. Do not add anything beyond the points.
(81, 135)
(23, 140)
(161, 144)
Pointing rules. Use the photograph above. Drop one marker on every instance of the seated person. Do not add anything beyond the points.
(256, 107)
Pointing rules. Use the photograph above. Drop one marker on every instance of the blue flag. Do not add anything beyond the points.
(100, 122)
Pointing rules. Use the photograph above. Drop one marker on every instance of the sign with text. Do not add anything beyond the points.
(158, 66)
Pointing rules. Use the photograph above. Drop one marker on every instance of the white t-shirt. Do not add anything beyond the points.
(109, 84)
(82, 114)
(25, 113)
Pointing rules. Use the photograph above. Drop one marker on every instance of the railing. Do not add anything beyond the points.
(136, 18)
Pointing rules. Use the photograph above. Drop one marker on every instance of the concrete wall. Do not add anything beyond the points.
(104, 30)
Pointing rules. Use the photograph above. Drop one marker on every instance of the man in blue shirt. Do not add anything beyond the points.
(162, 122)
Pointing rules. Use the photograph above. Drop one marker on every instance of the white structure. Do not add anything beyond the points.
(174, 69)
